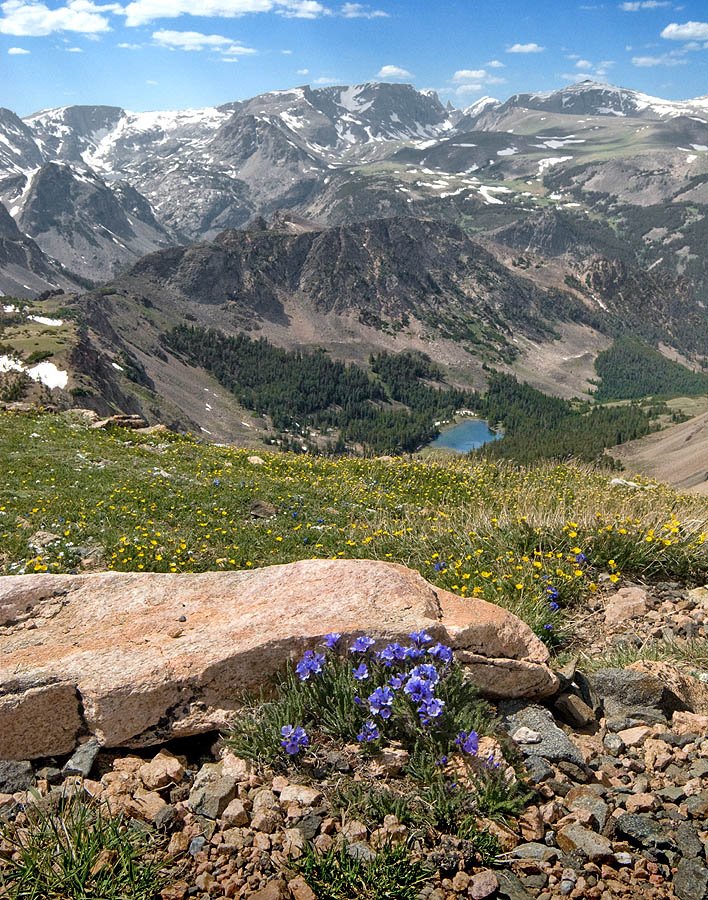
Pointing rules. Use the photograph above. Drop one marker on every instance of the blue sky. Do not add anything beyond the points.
(166, 54)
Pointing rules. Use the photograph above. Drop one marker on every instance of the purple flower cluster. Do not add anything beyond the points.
(311, 664)
(468, 742)
(294, 740)
(416, 672)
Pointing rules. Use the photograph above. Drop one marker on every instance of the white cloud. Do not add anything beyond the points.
(74, 50)
(196, 41)
(124, 46)
(689, 31)
(469, 75)
(151, 82)
(287, 52)
(18, 51)
(393, 72)
(303, 72)
(142, 12)
(665, 59)
(323, 79)
(495, 64)
(645, 4)
(359, 11)
(583, 64)
(29, 18)
(525, 48)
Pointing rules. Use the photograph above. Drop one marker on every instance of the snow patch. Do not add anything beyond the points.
(43, 320)
(544, 164)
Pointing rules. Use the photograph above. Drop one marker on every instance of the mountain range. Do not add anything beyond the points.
(523, 234)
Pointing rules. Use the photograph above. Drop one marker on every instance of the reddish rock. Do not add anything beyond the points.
(626, 604)
(105, 640)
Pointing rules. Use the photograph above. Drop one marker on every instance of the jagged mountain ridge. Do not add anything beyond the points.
(317, 151)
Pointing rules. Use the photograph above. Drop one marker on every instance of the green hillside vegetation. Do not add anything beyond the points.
(631, 369)
(299, 391)
(537, 426)
(518, 536)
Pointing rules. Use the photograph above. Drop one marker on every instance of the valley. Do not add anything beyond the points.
(524, 237)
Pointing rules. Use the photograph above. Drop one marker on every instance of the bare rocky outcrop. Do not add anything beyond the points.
(136, 659)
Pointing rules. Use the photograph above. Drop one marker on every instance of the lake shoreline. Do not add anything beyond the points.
(463, 434)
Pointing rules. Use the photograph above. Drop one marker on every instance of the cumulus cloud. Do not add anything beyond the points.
(303, 72)
(495, 64)
(583, 64)
(74, 50)
(324, 79)
(31, 19)
(18, 51)
(393, 72)
(125, 46)
(645, 4)
(469, 75)
(525, 48)
(359, 11)
(142, 12)
(194, 41)
(689, 31)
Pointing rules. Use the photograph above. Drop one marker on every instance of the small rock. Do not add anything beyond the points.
(162, 771)
(626, 604)
(82, 759)
(255, 460)
(361, 851)
(390, 761)
(300, 793)
(235, 814)
(176, 891)
(526, 735)
(554, 746)
(633, 737)
(483, 885)
(354, 831)
(210, 799)
(263, 509)
(622, 858)
(15, 776)
(573, 710)
(574, 837)
(691, 880)
(688, 722)
(300, 889)
(534, 850)
(640, 803)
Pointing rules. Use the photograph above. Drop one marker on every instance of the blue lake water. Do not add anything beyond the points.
(468, 435)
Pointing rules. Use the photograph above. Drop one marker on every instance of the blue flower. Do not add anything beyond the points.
(369, 732)
(331, 640)
(468, 742)
(361, 673)
(418, 689)
(553, 606)
(440, 565)
(396, 682)
(430, 709)
(548, 627)
(441, 652)
(310, 664)
(413, 652)
(362, 644)
(580, 558)
(391, 653)
(420, 637)
(294, 740)
(216, 481)
(426, 671)
(381, 701)
(552, 593)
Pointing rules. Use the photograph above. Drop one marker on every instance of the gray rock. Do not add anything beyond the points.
(82, 759)
(574, 838)
(15, 775)
(554, 746)
(595, 805)
(210, 799)
(511, 888)
(626, 693)
(361, 851)
(534, 850)
(645, 831)
(573, 710)
(689, 844)
(691, 880)
(538, 768)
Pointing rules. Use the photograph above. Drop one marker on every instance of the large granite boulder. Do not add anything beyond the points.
(136, 659)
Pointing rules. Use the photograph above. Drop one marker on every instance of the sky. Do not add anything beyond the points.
(176, 54)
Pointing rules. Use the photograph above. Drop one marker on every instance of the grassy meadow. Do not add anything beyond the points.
(535, 540)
